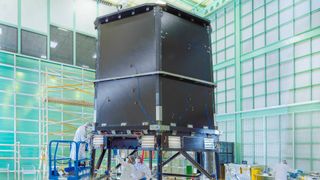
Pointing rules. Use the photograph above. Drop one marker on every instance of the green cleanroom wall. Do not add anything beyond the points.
(39, 102)
(42, 95)
(266, 60)
(267, 68)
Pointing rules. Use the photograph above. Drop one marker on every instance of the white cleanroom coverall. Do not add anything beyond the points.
(80, 135)
(128, 170)
(281, 171)
(142, 171)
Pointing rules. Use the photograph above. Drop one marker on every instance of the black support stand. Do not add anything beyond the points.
(109, 160)
(150, 160)
(161, 164)
(199, 144)
(101, 158)
(93, 157)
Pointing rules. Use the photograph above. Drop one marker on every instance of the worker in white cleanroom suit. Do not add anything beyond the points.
(82, 134)
(281, 170)
(128, 171)
(143, 171)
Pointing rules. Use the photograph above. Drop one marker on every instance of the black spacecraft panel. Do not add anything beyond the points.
(126, 102)
(127, 47)
(153, 38)
(185, 48)
(133, 102)
(153, 67)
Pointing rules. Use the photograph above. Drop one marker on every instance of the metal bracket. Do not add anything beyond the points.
(159, 127)
(164, 73)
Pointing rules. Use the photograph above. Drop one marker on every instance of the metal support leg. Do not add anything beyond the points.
(197, 165)
(198, 158)
(92, 162)
(209, 163)
(217, 164)
(109, 160)
(159, 165)
(150, 160)
(159, 158)
(101, 158)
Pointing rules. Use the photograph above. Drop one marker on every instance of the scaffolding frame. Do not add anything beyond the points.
(82, 86)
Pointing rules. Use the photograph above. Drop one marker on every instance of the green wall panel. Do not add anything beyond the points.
(6, 58)
(54, 127)
(6, 138)
(6, 71)
(29, 152)
(6, 85)
(27, 162)
(22, 86)
(27, 113)
(28, 139)
(27, 75)
(49, 65)
(3, 164)
(27, 88)
(55, 115)
(6, 98)
(268, 52)
(6, 111)
(27, 101)
(25, 62)
(27, 126)
(6, 124)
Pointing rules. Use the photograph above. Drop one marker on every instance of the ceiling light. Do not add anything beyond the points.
(43, 56)
(53, 44)
(94, 56)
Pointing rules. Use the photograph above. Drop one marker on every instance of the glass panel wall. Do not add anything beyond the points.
(33, 111)
(268, 84)
(33, 44)
(8, 38)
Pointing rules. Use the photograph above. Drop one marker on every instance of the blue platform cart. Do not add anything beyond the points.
(74, 170)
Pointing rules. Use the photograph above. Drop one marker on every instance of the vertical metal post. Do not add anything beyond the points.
(238, 123)
(294, 140)
(46, 129)
(109, 160)
(15, 117)
(100, 158)
(92, 161)
(39, 119)
(198, 159)
(19, 158)
(48, 26)
(217, 165)
(19, 26)
(210, 162)
(74, 50)
(159, 164)
(150, 160)
(45, 120)
(159, 158)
